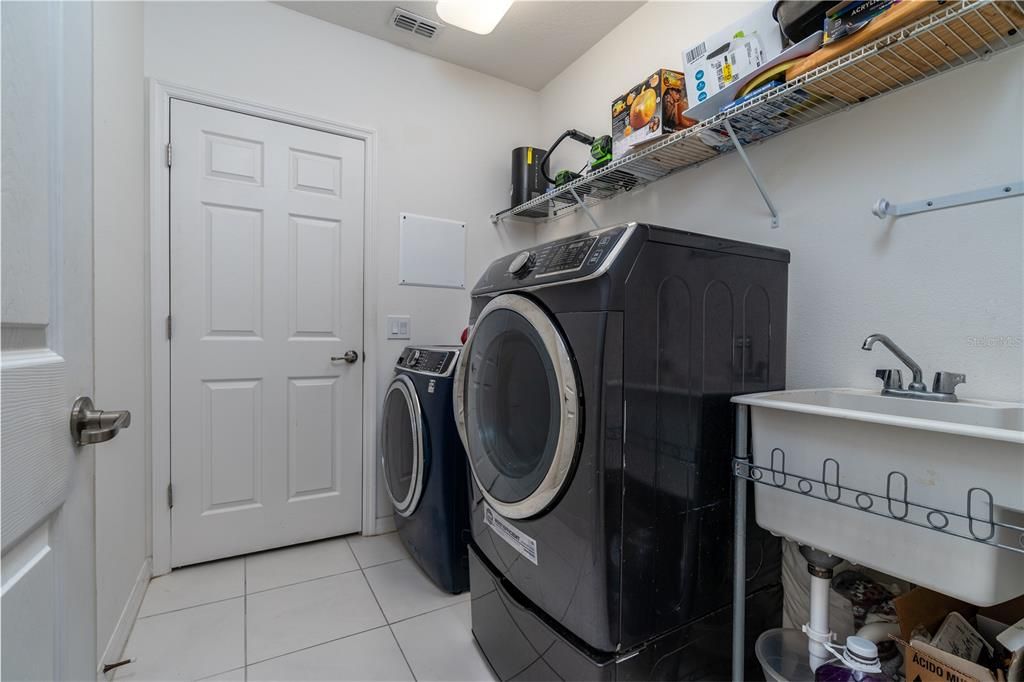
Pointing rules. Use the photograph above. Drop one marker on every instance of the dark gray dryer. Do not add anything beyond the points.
(424, 465)
(593, 400)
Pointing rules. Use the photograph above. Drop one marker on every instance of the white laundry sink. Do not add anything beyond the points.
(874, 469)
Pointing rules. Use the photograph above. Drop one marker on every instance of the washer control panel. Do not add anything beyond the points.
(428, 359)
(562, 260)
(559, 257)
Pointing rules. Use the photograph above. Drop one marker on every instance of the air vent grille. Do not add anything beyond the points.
(404, 20)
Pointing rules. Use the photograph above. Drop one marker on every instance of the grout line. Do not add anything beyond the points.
(313, 646)
(299, 582)
(384, 563)
(374, 595)
(439, 608)
(223, 672)
(393, 636)
(402, 651)
(192, 606)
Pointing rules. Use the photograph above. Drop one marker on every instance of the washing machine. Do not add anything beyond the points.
(592, 397)
(424, 464)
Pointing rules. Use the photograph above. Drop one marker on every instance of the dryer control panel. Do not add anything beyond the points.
(564, 260)
(428, 359)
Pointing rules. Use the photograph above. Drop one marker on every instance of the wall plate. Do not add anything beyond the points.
(399, 327)
(432, 252)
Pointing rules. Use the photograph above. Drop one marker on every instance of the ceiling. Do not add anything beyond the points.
(535, 41)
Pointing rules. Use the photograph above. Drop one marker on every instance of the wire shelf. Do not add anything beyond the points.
(957, 34)
(976, 522)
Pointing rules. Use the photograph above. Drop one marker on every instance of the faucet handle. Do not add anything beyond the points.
(891, 378)
(946, 382)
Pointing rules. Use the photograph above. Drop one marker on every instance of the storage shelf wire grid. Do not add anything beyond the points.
(958, 33)
(977, 521)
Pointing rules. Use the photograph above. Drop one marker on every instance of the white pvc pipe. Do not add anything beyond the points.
(818, 624)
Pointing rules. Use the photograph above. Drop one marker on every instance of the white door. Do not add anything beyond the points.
(48, 575)
(266, 300)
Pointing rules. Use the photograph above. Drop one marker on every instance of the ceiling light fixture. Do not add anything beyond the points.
(478, 16)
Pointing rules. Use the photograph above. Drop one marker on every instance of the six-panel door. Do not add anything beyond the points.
(266, 288)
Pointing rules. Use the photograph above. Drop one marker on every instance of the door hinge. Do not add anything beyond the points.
(168, 327)
(170, 496)
(168, 154)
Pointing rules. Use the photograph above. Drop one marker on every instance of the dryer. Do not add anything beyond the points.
(592, 397)
(424, 464)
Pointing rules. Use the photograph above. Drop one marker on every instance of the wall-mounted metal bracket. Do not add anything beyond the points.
(883, 208)
(584, 207)
(753, 174)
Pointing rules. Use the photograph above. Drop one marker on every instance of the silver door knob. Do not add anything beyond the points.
(348, 356)
(89, 425)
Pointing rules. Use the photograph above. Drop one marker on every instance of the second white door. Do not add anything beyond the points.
(266, 302)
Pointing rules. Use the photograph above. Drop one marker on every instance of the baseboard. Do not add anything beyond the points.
(119, 638)
(384, 524)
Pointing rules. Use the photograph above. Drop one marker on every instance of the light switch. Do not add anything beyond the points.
(398, 326)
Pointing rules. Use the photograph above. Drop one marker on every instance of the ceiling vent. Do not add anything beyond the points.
(405, 20)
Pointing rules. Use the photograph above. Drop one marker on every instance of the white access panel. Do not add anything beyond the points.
(432, 252)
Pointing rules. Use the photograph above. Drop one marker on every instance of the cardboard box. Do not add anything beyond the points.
(926, 663)
(736, 51)
(652, 108)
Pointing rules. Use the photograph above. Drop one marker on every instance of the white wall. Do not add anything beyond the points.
(445, 133)
(122, 481)
(948, 286)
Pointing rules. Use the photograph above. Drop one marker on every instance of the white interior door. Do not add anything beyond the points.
(48, 574)
(266, 288)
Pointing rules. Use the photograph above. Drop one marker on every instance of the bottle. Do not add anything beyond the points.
(856, 662)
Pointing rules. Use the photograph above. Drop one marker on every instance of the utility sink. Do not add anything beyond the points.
(931, 492)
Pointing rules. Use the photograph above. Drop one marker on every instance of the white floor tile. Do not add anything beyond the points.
(377, 549)
(188, 644)
(290, 618)
(290, 565)
(439, 646)
(403, 590)
(194, 585)
(372, 655)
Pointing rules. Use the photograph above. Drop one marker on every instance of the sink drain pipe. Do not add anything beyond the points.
(819, 634)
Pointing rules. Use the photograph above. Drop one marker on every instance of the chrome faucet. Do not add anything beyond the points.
(943, 386)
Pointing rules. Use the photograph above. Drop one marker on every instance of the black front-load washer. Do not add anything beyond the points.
(593, 400)
(424, 464)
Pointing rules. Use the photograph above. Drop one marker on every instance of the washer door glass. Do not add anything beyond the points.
(517, 390)
(402, 445)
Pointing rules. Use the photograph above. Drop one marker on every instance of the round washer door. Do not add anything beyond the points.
(402, 447)
(516, 406)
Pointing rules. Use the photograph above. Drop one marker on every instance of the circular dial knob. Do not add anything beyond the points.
(522, 263)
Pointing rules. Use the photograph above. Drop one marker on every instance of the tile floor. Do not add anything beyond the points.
(342, 609)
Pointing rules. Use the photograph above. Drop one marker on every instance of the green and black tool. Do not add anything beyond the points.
(600, 152)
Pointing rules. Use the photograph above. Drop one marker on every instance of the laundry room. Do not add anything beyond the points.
(512, 340)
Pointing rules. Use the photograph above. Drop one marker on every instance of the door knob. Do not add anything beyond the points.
(348, 356)
(89, 425)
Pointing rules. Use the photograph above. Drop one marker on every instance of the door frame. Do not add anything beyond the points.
(158, 297)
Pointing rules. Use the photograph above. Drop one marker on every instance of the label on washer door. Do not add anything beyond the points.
(521, 542)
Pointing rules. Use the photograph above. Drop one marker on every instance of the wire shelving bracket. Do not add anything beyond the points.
(753, 173)
(884, 208)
